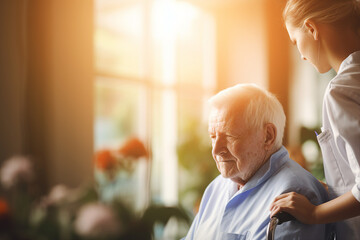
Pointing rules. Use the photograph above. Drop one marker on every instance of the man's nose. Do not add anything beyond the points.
(219, 147)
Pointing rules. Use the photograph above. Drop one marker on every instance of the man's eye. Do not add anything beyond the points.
(230, 137)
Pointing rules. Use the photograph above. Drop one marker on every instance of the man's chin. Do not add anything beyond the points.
(236, 179)
(227, 175)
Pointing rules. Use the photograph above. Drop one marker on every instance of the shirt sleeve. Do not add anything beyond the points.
(344, 117)
(191, 233)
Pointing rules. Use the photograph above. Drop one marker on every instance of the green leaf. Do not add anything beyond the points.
(162, 214)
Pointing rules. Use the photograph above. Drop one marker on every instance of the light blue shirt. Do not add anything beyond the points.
(227, 213)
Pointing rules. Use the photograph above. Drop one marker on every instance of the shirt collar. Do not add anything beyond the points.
(276, 160)
(353, 57)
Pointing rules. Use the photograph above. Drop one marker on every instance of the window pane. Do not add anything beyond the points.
(163, 138)
(161, 56)
(118, 109)
(120, 114)
(118, 38)
(190, 44)
(183, 44)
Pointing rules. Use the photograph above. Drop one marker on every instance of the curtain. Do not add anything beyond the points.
(13, 70)
(46, 87)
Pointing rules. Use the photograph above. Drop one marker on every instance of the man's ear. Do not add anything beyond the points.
(270, 135)
(312, 28)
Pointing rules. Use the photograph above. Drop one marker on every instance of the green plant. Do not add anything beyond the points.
(194, 156)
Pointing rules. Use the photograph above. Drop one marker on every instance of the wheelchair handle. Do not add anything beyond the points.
(277, 219)
(284, 217)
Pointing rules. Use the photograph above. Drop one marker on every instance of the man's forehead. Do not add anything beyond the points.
(225, 119)
(225, 113)
(218, 116)
(215, 125)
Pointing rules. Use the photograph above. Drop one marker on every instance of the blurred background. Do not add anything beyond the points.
(80, 76)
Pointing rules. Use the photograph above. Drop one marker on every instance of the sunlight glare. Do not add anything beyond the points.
(170, 15)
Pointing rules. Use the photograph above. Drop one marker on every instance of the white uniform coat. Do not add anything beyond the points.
(340, 138)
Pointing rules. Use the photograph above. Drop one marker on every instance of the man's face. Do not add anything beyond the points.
(237, 150)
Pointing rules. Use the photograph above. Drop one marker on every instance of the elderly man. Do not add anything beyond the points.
(246, 127)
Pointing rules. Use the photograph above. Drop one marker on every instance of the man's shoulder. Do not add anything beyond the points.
(294, 178)
(292, 168)
(284, 168)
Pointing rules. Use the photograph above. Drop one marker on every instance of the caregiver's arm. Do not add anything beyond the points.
(344, 207)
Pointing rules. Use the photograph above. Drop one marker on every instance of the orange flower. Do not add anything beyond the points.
(4, 208)
(133, 148)
(104, 160)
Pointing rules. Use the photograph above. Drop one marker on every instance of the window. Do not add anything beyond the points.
(155, 69)
(307, 91)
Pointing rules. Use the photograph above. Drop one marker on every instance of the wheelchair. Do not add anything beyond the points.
(278, 219)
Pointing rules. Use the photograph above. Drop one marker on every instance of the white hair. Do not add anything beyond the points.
(258, 107)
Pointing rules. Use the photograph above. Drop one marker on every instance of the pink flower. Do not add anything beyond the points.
(58, 194)
(16, 170)
(97, 220)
